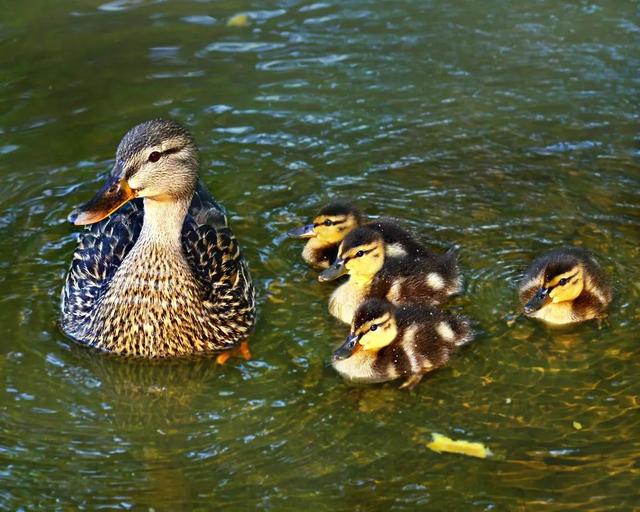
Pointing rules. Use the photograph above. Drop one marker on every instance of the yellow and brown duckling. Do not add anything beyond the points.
(336, 220)
(159, 273)
(565, 286)
(400, 280)
(388, 343)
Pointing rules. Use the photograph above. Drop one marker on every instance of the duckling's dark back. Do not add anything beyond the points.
(429, 280)
(393, 234)
(451, 329)
(427, 336)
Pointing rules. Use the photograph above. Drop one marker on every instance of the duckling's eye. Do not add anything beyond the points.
(562, 281)
(373, 327)
(359, 254)
(154, 156)
(328, 223)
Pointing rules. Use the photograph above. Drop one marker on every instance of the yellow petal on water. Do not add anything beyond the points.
(442, 443)
(239, 20)
(577, 425)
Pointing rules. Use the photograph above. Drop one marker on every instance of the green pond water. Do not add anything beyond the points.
(507, 128)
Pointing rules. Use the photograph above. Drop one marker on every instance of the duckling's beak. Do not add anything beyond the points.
(111, 196)
(539, 300)
(302, 232)
(349, 346)
(334, 271)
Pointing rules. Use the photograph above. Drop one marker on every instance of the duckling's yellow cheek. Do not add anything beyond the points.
(321, 232)
(334, 235)
(555, 295)
(374, 341)
(565, 292)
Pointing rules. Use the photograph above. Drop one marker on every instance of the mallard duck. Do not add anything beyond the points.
(336, 220)
(388, 343)
(408, 279)
(159, 273)
(565, 286)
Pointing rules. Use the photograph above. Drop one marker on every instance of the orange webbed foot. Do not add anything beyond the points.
(242, 350)
(223, 358)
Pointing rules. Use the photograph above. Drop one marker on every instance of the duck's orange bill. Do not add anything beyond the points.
(112, 196)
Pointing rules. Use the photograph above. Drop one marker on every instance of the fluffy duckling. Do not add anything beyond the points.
(388, 343)
(565, 286)
(336, 220)
(362, 255)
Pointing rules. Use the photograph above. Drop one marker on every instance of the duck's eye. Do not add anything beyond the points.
(374, 327)
(562, 281)
(328, 223)
(154, 156)
(359, 254)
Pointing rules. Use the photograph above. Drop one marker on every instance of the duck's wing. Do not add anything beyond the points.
(205, 210)
(101, 249)
(215, 257)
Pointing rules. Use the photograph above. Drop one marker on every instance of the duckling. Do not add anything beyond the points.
(565, 286)
(337, 220)
(388, 343)
(408, 279)
(159, 273)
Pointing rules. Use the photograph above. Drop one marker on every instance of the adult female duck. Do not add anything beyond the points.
(164, 275)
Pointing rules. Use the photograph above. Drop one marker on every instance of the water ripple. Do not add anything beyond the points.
(301, 63)
(241, 47)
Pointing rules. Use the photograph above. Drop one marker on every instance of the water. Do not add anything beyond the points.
(507, 128)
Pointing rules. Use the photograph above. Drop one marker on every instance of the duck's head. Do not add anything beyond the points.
(562, 280)
(373, 327)
(157, 159)
(360, 254)
(331, 225)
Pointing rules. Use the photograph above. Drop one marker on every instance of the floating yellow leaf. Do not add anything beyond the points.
(442, 443)
(239, 20)
(577, 425)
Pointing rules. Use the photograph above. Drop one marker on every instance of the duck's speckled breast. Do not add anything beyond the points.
(153, 307)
